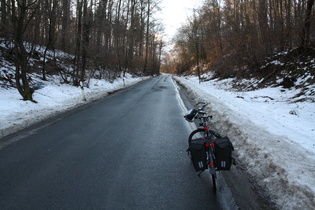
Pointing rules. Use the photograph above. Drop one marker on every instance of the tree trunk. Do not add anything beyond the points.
(78, 44)
(307, 24)
(142, 20)
(19, 18)
(86, 40)
(147, 40)
(3, 20)
(52, 18)
(65, 23)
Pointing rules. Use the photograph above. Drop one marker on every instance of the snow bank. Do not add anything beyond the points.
(273, 138)
(53, 98)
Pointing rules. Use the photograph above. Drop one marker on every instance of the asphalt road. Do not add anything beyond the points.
(126, 151)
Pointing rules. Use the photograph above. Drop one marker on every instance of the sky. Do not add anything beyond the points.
(174, 13)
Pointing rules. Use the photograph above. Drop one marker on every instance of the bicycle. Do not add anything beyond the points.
(206, 143)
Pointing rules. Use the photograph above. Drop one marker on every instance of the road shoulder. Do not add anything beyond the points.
(246, 194)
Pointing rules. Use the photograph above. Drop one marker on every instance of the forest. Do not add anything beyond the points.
(115, 36)
(232, 38)
(235, 38)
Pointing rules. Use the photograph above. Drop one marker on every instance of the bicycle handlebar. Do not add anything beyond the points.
(200, 102)
(203, 105)
(206, 117)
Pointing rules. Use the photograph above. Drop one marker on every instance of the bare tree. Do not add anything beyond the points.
(238, 33)
(22, 12)
(307, 24)
(121, 34)
(65, 24)
(78, 43)
(4, 20)
(87, 21)
(147, 38)
(51, 14)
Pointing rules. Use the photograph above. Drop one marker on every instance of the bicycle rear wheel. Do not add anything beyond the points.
(214, 184)
(203, 133)
(212, 168)
(199, 133)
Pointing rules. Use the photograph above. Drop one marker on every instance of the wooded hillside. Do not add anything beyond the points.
(233, 38)
(101, 34)
(237, 38)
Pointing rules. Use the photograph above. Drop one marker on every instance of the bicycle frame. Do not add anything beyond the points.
(210, 146)
(211, 158)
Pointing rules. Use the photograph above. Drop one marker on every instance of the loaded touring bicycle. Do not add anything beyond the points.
(207, 148)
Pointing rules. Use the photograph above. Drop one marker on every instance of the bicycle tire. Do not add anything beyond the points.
(199, 130)
(203, 131)
(214, 183)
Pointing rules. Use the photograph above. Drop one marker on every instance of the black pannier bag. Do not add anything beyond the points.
(223, 153)
(197, 154)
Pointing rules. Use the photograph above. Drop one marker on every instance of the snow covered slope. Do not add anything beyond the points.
(53, 98)
(273, 138)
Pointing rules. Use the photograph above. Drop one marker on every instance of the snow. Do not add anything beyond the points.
(274, 138)
(53, 98)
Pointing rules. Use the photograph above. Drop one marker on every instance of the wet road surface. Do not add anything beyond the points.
(126, 151)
